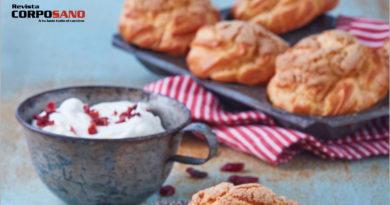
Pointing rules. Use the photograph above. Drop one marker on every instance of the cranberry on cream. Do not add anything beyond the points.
(107, 120)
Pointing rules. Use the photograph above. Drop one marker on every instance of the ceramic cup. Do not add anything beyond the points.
(109, 171)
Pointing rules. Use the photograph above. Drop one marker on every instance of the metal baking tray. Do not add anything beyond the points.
(239, 97)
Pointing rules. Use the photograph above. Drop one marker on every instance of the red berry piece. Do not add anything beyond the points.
(115, 113)
(93, 114)
(35, 117)
(72, 130)
(196, 173)
(42, 121)
(148, 110)
(127, 114)
(123, 115)
(167, 190)
(51, 107)
(232, 167)
(100, 121)
(92, 128)
(238, 180)
(86, 108)
(120, 121)
(129, 109)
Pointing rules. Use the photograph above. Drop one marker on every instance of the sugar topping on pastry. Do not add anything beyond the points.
(235, 51)
(329, 74)
(280, 16)
(247, 194)
(165, 25)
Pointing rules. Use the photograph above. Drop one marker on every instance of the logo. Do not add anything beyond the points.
(32, 11)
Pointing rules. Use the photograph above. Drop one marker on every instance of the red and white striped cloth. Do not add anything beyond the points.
(369, 32)
(255, 133)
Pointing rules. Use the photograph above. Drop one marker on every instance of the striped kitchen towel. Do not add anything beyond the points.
(369, 32)
(255, 133)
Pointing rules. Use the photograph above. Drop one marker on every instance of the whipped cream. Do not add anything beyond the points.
(71, 114)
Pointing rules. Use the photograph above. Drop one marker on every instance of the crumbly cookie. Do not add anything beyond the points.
(246, 194)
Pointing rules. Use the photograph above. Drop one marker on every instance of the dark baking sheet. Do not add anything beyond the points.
(243, 96)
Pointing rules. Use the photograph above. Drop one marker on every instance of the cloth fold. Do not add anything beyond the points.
(255, 133)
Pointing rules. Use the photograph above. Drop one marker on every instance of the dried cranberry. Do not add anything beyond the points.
(148, 110)
(120, 121)
(92, 128)
(93, 114)
(129, 109)
(86, 108)
(100, 121)
(115, 113)
(42, 121)
(167, 190)
(196, 173)
(51, 107)
(72, 130)
(232, 167)
(35, 117)
(238, 180)
(123, 116)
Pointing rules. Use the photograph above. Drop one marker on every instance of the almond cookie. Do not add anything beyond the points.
(246, 194)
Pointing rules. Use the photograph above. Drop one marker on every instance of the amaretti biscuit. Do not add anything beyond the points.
(246, 194)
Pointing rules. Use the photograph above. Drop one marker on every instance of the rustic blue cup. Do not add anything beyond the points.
(109, 171)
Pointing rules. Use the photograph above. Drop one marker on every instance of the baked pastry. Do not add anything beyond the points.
(280, 16)
(246, 194)
(235, 51)
(328, 74)
(384, 51)
(165, 25)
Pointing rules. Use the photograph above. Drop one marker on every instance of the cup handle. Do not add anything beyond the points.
(210, 137)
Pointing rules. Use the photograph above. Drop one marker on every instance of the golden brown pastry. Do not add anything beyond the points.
(280, 16)
(247, 194)
(235, 51)
(328, 74)
(384, 51)
(165, 25)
